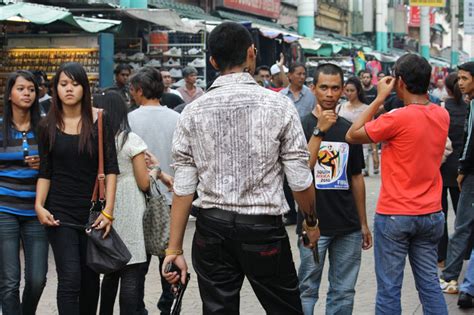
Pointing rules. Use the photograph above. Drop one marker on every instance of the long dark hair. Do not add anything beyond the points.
(54, 119)
(451, 83)
(356, 83)
(35, 115)
(117, 113)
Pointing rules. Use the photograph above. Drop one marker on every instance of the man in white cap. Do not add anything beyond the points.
(279, 77)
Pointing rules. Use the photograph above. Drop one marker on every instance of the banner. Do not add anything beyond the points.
(469, 17)
(415, 17)
(428, 3)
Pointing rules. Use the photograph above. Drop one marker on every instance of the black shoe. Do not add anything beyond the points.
(289, 221)
(465, 300)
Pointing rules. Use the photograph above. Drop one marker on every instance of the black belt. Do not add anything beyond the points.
(235, 217)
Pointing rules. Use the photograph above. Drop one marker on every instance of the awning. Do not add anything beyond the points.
(309, 45)
(266, 28)
(162, 17)
(43, 15)
(185, 10)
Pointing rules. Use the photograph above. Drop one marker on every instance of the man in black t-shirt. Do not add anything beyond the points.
(370, 91)
(340, 195)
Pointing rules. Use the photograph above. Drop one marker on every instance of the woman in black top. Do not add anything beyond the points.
(69, 160)
(457, 109)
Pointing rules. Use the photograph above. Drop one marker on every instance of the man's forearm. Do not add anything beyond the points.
(366, 116)
(180, 209)
(358, 191)
(313, 148)
(306, 203)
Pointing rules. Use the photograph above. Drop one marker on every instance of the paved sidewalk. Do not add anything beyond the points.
(365, 290)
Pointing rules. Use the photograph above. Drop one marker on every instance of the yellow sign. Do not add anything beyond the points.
(428, 3)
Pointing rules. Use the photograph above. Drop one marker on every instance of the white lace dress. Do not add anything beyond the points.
(129, 199)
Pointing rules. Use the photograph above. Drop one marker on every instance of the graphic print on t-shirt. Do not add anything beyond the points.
(330, 171)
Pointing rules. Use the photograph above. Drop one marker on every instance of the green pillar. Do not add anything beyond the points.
(454, 58)
(135, 4)
(306, 26)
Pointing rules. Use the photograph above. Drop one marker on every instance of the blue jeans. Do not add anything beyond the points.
(344, 264)
(415, 236)
(459, 241)
(14, 228)
(468, 284)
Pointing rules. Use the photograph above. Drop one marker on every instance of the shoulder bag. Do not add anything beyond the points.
(156, 221)
(109, 254)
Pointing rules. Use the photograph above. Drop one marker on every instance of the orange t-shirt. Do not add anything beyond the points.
(413, 141)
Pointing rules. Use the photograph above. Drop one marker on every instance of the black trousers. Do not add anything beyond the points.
(443, 243)
(128, 299)
(78, 285)
(224, 252)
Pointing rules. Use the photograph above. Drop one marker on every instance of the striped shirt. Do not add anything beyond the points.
(233, 145)
(17, 180)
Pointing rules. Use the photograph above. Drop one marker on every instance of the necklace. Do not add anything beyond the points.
(418, 103)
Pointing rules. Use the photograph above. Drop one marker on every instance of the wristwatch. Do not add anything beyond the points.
(158, 170)
(318, 132)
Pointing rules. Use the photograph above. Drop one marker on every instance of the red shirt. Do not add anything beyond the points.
(413, 141)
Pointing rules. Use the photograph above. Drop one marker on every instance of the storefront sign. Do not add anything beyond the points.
(265, 8)
(469, 17)
(428, 3)
(415, 16)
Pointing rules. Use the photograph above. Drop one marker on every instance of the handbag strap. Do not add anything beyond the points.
(99, 187)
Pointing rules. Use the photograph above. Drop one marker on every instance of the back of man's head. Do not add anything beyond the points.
(415, 72)
(228, 44)
(328, 68)
(149, 80)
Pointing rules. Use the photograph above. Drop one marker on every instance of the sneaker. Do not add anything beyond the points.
(465, 300)
(194, 51)
(450, 287)
(201, 83)
(176, 73)
(173, 52)
(153, 63)
(179, 83)
(172, 63)
(135, 66)
(197, 63)
(139, 56)
(120, 56)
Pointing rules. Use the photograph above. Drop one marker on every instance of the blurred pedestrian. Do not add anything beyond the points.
(189, 92)
(457, 110)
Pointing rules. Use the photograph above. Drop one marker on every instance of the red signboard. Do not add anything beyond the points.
(415, 17)
(266, 8)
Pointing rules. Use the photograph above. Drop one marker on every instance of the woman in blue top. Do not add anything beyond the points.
(19, 164)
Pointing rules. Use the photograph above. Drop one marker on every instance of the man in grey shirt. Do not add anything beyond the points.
(155, 124)
(233, 146)
(299, 93)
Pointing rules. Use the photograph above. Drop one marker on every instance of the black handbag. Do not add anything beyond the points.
(109, 254)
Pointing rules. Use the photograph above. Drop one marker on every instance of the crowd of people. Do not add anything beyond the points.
(255, 152)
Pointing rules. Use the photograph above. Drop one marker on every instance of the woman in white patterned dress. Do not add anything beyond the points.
(130, 205)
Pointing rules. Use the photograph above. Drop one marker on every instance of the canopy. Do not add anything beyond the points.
(43, 15)
(162, 17)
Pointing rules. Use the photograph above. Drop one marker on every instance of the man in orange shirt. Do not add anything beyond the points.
(409, 220)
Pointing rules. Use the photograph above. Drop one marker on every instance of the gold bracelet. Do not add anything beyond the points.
(108, 216)
(173, 252)
(306, 227)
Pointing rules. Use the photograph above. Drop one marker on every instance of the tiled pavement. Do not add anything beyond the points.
(365, 290)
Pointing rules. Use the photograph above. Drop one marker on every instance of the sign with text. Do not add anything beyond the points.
(415, 17)
(428, 3)
(265, 8)
(469, 17)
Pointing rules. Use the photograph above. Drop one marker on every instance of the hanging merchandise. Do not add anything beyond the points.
(359, 62)
(374, 66)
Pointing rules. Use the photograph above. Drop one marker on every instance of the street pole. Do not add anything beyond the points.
(306, 18)
(454, 33)
(381, 13)
(425, 32)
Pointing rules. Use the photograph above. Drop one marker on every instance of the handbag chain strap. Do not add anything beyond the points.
(99, 187)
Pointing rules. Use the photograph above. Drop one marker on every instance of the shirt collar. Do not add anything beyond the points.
(233, 78)
(303, 91)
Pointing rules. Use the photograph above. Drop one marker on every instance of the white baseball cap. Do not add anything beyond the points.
(275, 69)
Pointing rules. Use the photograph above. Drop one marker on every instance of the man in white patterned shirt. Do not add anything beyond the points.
(233, 145)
